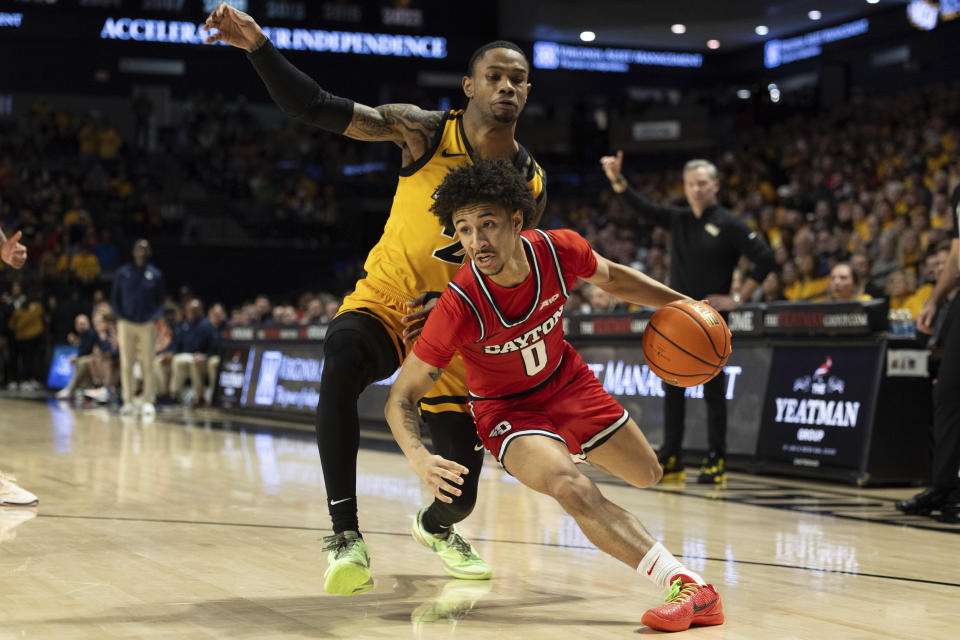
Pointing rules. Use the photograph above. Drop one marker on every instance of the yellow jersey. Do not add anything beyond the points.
(415, 254)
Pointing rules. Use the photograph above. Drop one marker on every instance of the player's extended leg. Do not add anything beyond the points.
(543, 464)
(357, 352)
(628, 456)
(454, 437)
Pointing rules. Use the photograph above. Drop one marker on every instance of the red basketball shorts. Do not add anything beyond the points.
(571, 407)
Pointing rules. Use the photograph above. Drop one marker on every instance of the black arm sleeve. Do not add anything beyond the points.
(297, 94)
(657, 213)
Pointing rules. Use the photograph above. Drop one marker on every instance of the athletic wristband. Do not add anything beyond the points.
(297, 94)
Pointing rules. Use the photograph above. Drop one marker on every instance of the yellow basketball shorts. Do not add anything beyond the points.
(450, 391)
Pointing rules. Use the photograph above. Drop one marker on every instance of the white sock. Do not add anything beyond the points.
(660, 566)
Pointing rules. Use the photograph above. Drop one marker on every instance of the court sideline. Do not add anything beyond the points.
(211, 530)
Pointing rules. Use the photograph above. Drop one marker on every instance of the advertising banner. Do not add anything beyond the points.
(622, 370)
(819, 405)
(283, 378)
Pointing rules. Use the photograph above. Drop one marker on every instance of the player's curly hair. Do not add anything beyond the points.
(494, 182)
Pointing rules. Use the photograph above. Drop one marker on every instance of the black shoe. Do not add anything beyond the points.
(930, 499)
(950, 509)
(950, 513)
(672, 469)
(712, 471)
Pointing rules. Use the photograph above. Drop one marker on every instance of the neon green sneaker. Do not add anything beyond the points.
(348, 565)
(458, 556)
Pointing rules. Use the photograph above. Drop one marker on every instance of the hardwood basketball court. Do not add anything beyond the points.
(206, 526)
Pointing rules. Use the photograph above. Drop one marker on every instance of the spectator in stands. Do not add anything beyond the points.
(812, 286)
(263, 311)
(885, 262)
(862, 268)
(239, 317)
(193, 345)
(845, 284)
(575, 301)
(331, 304)
(940, 214)
(909, 251)
(106, 357)
(106, 252)
(599, 301)
(85, 266)
(84, 338)
(217, 316)
(931, 269)
(50, 263)
(98, 299)
(167, 327)
(314, 313)
(790, 279)
(771, 289)
(27, 348)
(137, 300)
(901, 285)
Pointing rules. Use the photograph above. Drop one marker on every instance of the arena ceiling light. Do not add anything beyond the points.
(713, 44)
(678, 28)
(743, 94)
(588, 36)
(814, 15)
(761, 30)
(872, 1)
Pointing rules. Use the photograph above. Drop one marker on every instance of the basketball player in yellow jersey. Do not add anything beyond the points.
(414, 261)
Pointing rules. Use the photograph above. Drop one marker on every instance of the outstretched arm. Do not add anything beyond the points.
(411, 128)
(631, 285)
(415, 379)
(658, 213)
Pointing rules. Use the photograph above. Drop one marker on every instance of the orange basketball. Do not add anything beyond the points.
(686, 343)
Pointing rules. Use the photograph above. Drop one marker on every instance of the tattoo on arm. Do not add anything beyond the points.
(435, 374)
(405, 124)
(411, 422)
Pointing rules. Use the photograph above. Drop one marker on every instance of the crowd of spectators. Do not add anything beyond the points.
(867, 185)
(856, 202)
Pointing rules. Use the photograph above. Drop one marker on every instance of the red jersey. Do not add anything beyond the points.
(511, 338)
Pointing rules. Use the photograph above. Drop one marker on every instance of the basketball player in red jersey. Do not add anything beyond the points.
(537, 406)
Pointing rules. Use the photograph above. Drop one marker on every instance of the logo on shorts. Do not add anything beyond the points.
(500, 429)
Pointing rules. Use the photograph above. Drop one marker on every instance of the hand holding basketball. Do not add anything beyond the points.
(686, 343)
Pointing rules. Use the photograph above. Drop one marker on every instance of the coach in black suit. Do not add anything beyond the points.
(706, 242)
